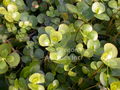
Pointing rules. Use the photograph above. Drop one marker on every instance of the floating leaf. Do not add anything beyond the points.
(98, 7)
(44, 40)
(103, 79)
(36, 78)
(49, 29)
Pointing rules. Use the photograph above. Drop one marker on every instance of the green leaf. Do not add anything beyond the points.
(93, 44)
(88, 53)
(16, 83)
(102, 17)
(16, 16)
(44, 40)
(8, 18)
(5, 46)
(49, 76)
(80, 49)
(3, 11)
(3, 64)
(71, 73)
(50, 87)
(35, 86)
(22, 84)
(108, 46)
(34, 66)
(115, 85)
(85, 70)
(66, 67)
(12, 8)
(82, 6)
(55, 37)
(112, 79)
(72, 8)
(58, 54)
(36, 78)
(93, 65)
(55, 20)
(63, 28)
(86, 28)
(15, 61)
(41, 17)
(25, 72)
(103, 79)
(4, 53)
(4, 70)
(65, 60)
(24, 16)
(33, 20)
(98, 7)
(77, 24)
(38, 53)
(93, 35)
(55, 84)
(25, 59)
(49, 29)
(113, 4)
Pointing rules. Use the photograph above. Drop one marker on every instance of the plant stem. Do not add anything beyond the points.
(77, 32)
(90, 76)
(74, 84)
(77, 60)
(64, 77)
(93, 86)
(111, 22)
(6, 80)
(92, 20)
(115, 37)
(48, 64)
(54, 68)
(11, 46)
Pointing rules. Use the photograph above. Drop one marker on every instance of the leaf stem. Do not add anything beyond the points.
(111, 22)
(77, 32)
(54, 68)
(11, 46)
(93, 86)
(90, 77)
(115, 37)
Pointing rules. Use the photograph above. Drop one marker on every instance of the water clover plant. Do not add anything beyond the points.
(59, 44)
(12, 59)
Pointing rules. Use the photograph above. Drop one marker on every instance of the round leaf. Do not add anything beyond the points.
(4, 70)
(8, 18)
(12, 8)
(36, 78)
(102, 17)
(113, 4)
(33, 20)
(44, 40)
(3, 11)
(93, 65)
(25, 72)
(16, 16)
(49, 76)
(88, 53)
(3, 64)
(49, 29)
(108, 46)
(86, 29)
(98, 7)
(103, 79)
(41, 17)
(24, 16)
(92, 35)
(16, 60)
(5, 46)
(35, 86)
(63, 28)
(38, 53)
